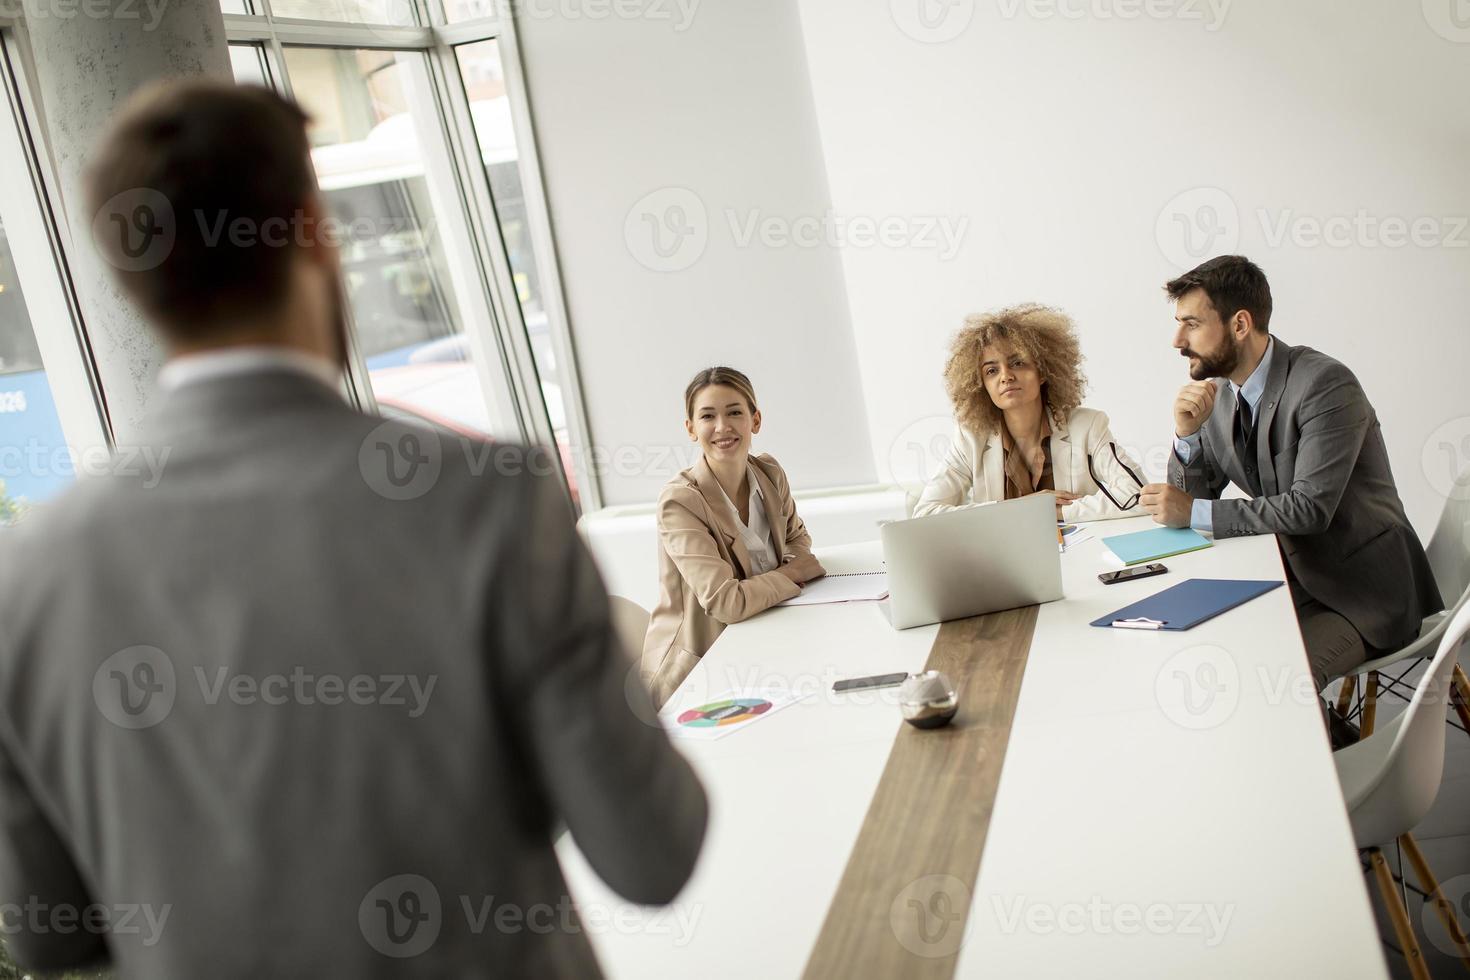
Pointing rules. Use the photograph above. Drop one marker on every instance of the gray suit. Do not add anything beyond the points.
(1326, 491)
(160, 756)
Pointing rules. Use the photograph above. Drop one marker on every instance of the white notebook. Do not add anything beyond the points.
(843, 587)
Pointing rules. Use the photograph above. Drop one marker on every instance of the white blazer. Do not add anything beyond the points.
(972, 473)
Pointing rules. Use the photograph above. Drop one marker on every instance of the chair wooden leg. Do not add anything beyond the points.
(1370, 703)
(1441, 904)
(1461, 700)
(1345, 695)
(1460, 695)
(1398, 915)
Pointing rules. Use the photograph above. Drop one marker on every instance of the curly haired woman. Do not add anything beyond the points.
(1015, 379)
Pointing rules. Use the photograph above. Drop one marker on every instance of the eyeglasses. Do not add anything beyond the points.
(1133, 500)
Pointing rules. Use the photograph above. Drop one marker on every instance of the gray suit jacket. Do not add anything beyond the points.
(267, 721)
(1327, 493)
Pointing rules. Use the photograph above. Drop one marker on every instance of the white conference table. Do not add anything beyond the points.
(1168, 804)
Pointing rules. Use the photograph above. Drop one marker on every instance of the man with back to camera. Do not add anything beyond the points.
(1294, 429)
(289, 712)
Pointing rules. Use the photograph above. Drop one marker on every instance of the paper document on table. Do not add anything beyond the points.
(1072, 535)
(846, 587)
(727, 712)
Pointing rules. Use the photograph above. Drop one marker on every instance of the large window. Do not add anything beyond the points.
(384, 167)
(399, 12)
(49, 415)
(32, 467)
(483, 74)
(423, 158)
(460, 10)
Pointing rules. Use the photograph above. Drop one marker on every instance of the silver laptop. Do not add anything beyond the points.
(976, 560)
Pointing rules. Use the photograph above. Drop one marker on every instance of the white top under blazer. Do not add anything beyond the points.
(971, 472)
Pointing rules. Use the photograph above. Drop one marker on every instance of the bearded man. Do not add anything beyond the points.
(1294, 429)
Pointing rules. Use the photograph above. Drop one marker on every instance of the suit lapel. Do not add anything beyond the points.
(1270, 398)
(1221, 429)
(992, 467)
(714, 496)
(772, 507)
(1062, 446)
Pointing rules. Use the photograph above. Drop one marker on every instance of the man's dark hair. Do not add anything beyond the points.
(197, 192)
(1233, 283)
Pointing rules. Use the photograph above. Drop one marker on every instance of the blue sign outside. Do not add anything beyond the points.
(35, 463)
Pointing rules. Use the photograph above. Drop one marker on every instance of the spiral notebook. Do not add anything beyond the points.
(842, 587)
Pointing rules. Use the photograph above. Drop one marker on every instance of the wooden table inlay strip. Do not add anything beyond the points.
(901, 907)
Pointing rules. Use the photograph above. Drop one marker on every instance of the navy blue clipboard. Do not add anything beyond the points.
(1187, 604)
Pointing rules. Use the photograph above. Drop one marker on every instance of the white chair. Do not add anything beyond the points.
(1389, 781)
(1449, 556)
(630, 622)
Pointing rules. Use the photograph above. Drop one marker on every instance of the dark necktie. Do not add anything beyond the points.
(1243, 441)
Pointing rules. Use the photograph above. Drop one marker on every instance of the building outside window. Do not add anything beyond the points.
(420, 151)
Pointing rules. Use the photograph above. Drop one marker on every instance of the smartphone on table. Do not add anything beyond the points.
(869, 683)
(1129, 574)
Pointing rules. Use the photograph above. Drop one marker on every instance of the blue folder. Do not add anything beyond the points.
(1187, 604)
(1161, 542)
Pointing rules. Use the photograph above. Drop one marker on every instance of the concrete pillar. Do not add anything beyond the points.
(88, 57)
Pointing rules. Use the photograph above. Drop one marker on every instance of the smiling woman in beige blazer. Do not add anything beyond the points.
(1015, 379)
(730, 543)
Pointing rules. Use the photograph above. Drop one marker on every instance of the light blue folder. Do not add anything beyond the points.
(1187, 604)
(1160, 542)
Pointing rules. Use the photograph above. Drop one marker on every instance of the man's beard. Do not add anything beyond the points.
(1220, 364)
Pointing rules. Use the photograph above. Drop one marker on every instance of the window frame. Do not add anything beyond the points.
(436, 41)
(26, 207)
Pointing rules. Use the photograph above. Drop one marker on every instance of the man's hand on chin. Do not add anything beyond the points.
(1168, 504)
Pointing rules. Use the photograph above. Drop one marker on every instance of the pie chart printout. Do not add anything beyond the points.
(731, 711)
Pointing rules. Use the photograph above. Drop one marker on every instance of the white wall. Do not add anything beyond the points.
(709, 110)
(1065, 140)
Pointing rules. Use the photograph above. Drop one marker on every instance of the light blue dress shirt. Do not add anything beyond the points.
(1201, 514)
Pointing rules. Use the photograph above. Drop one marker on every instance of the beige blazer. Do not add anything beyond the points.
(972, 473)
(704, 569)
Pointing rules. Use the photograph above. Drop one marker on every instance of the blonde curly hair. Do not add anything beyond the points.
(1043, 334)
